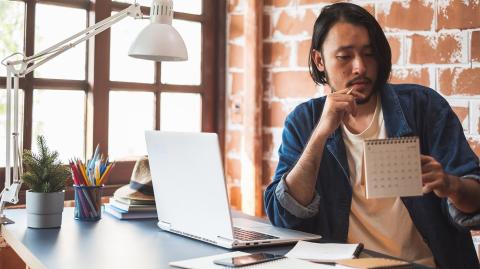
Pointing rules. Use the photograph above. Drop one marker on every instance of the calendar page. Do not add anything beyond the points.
(392, 167)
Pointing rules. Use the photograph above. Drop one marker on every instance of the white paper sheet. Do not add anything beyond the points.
(322, 252)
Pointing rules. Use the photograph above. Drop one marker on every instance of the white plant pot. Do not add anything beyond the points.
(44, 210)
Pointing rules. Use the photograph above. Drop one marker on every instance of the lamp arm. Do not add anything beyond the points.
(27, 64)
(30, 63)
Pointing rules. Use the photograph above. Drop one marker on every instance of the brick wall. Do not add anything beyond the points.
(434, 43)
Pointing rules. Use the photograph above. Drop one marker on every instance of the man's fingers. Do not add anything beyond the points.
(429, 166)
(426, 188)
(344, 91)
(344, 107)
(425, 159)
(344, 98)
(428, 177)
(432, 185)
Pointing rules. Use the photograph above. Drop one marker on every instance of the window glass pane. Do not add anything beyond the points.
(11, 30)
(181, 112)
(122, 66)
(3, 125)
(55, 24)
(191, 6)
(59, 115)
(130, 114)
(186, 72)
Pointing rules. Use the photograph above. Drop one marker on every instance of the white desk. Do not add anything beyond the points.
(108, 243)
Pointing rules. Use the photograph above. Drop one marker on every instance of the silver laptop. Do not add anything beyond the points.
(191, 194)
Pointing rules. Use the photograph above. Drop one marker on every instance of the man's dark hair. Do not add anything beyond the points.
(356, 15)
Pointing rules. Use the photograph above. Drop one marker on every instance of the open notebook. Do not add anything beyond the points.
(324, 252)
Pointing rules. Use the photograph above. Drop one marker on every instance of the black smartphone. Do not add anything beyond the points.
(247, 259)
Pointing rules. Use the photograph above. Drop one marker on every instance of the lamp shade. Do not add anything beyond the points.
(159, 41)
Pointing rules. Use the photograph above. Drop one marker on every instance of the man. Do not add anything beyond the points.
(318, 184)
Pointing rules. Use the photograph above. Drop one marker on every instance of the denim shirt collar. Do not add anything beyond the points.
(396, 125)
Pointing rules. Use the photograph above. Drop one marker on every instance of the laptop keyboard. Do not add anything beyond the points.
(246, 235)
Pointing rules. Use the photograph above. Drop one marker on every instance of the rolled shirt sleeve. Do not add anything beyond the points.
(471, 221)
(292, 205)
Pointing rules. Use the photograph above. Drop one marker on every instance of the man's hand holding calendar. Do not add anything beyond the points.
(463, 193)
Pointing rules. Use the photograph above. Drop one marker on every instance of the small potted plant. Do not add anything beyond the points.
(46, 177)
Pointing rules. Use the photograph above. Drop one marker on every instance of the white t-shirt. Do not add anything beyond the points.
(383, 225)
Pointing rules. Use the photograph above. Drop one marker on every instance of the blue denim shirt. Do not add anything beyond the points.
(408, 110)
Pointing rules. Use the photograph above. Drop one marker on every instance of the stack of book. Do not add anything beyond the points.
(124, 208)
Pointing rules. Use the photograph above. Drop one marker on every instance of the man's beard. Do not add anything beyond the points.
(357, 101)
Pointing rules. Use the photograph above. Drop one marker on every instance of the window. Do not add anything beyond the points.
(11, 40)
(181, 112)
(11, 31)
(66, 21)
(62, 123)
(95, 94)
(131, 113)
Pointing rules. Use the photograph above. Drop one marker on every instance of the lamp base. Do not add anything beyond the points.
(5, 220)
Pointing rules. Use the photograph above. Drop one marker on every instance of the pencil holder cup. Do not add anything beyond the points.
(88, 202)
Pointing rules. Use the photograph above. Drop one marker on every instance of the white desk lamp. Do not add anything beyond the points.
(159, 41)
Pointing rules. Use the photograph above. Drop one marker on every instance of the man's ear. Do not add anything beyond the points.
(317, 59)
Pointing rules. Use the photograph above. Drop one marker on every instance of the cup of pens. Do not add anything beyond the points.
(88, 184)
(88, 202)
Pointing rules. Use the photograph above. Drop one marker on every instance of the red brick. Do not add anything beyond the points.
(269, 168)
(235, 109)
(293, 84)
(439, 49)
(276, 54)
(233, 140)
(235, 56)
(278, 3)
(461, 112)
(233, 169)
(475, 45)
(313, 2)
(396, 47)
(235, 197)
(411, 75)
(235, 29)
(416, 15)
(461, 81)
(302, 22)
(267, 144)
(458, 14)
(237, 83)
(303, 52)
(475, 145)
(274, 114)
(267, 26)
(370, 8)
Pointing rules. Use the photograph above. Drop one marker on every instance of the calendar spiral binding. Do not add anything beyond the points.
(393, 140)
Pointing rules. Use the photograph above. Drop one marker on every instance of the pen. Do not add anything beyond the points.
(327, 263)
